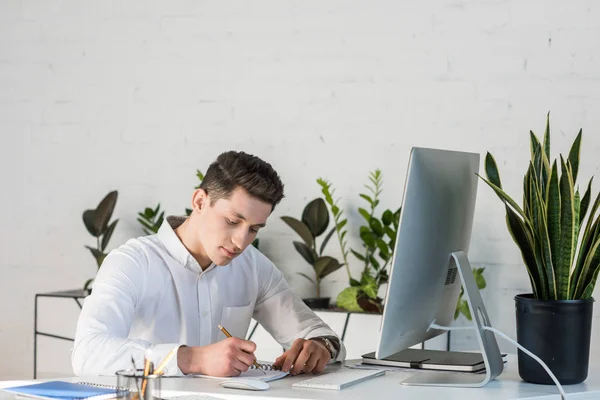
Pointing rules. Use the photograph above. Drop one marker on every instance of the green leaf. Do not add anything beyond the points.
(524, 240)
(589, 289)
(354, 282)
(347, 299)
(98, 255)
(108, 234)
(546, 146)
(335, 210)
(306, 252)
(592, 259)
(329, 235)
(342, 224)
(574, 155)
(300, 228)
(553, 214)
(307, 277)
(376, 227)
(587, 242)
(374, 262)
(358, 255)
(383, 247)
(568, 240)
(316, 216)
(491, 170)
(504, 197)
(367, 238)
(88, 283)
(367, 198)
(464, 309)
(365, 214)
(105, 210)
(325, 266)
(387, 218)
(585, 202)
(89, 216)
(541, 234)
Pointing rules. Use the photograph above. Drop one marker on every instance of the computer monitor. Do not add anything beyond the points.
(429, 261)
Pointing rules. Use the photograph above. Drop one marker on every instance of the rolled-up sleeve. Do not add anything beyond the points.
(282, 313)
(102, 345)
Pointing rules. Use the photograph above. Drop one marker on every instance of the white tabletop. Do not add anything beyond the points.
(507, 386)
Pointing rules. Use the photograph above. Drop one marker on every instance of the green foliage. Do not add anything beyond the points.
(560, 252)
(314, 222)
(378, 237)
(97, 223)
(151, 219)
(462, 307)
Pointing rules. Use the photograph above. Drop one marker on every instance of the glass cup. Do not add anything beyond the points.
(132, 384)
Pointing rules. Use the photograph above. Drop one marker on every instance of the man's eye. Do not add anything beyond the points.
(230, 222)
(254, 230)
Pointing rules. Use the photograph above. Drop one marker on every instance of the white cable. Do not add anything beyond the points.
(563, 395)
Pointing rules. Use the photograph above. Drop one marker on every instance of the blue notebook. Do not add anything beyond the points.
(63, 390)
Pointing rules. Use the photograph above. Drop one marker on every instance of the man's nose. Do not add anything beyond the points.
(239, 238)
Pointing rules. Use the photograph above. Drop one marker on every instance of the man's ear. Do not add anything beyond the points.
(199, 200)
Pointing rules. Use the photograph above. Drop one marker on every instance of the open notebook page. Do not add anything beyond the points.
(268, 375)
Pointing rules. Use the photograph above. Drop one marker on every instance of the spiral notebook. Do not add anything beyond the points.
(64, 390)
(270, 374)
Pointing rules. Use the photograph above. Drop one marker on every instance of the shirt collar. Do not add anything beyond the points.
(176, 249)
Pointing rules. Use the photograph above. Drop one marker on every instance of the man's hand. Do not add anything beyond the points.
(304, 356)
(229, 357)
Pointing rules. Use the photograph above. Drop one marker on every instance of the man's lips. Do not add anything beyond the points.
(229, 253)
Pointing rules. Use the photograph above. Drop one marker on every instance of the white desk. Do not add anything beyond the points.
(508, 386)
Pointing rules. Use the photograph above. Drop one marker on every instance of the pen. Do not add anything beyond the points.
(229, 335)
(163, 363)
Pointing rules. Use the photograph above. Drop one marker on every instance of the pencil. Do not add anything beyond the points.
(146, 370)
(163, 363)
(222, 328)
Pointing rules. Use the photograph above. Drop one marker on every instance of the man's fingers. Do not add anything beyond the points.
(311, 363)
(280, 360)
(246, 345)
(301, 360)
(321, 364)
(292, 354)
(245, 358)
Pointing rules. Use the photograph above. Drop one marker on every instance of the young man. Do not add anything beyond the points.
(173, 289)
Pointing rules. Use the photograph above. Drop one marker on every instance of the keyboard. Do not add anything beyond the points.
(337, 380)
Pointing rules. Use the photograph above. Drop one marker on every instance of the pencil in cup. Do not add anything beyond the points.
(226, 333)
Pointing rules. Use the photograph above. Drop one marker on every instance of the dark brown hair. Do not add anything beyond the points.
(234, 169)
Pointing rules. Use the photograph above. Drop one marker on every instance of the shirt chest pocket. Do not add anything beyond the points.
(237, 319)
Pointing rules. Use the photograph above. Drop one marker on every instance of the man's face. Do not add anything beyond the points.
(228, 226)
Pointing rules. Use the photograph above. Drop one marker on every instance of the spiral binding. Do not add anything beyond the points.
(266, 367)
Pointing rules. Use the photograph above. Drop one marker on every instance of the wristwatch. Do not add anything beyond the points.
(333, 352)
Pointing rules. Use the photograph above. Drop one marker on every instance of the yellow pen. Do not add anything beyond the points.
(229, 335)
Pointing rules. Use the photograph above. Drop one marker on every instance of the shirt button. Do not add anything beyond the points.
(205, 314)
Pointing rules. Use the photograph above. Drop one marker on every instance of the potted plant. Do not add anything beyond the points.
(378, 238)
(559, 241)
(98, 224)
(314, 222)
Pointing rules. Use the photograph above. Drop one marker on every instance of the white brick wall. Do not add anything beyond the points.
(135, 96)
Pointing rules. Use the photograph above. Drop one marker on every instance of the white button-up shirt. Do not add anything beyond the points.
(152, 294)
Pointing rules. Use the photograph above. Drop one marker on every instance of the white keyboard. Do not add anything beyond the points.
(337, 380)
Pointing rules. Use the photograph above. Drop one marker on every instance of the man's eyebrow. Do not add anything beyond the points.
(240, 216)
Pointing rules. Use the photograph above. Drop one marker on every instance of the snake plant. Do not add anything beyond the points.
(559, 240)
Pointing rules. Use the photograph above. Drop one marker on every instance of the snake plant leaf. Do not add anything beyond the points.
(547, 137)
(504, 197)
(308, 277)
(553, 214)
(574, 155)
(326, 240)
(587, 293)
(587, 242)
(567, 245)
(108, 234)
(588, 271)
(585, 201)
(89, 216)
(105, 210)
(524, 240)
(316, 216)
(306, 252)
(491, 170)
(539, 221)
(300, 228)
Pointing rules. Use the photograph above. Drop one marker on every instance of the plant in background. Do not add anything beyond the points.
(378, 237)
(151, 219)
(560, 252)
(462, 307)
(315, 220)
(98, 224)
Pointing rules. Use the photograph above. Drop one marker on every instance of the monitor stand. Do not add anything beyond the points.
(487, 341)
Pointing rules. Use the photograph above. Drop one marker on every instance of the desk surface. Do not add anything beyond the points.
(507, 386)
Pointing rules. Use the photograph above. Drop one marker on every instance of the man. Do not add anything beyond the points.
(173, 289)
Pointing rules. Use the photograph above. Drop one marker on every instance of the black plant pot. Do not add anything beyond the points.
(317, 302)
(558, 332)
